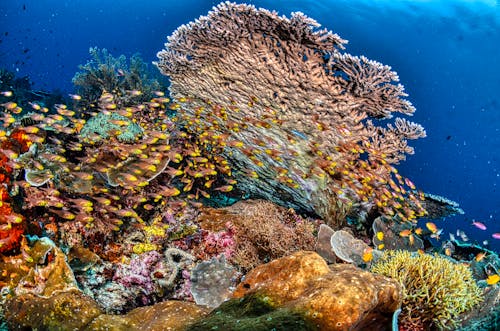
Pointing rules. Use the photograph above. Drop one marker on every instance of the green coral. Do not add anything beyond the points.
(436, 290)
(101, 125)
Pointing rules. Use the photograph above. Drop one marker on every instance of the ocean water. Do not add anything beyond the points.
(445, 52)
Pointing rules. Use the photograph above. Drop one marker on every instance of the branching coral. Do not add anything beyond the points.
(436, 290)
(295, 111)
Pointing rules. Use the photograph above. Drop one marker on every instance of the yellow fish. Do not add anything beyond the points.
(493, 279)
(380, 235)
(368, 255)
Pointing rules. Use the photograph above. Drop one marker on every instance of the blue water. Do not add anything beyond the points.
(447, 54)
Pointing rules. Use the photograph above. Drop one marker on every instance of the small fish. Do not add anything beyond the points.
(75, 97)
(368, 255)
(437, 235)
(103, 201)
(464, 236)
(495, 235)
(493, 279)
(169, 191)
(134, 93)
(6, 93)
(83, 175)
(225, 188)
(479, 225)
(10, 105)
(380, 235)
(405, 233)
(64, 214)
(409, 183)
(480, 256)
(432, 227)
(125, 213)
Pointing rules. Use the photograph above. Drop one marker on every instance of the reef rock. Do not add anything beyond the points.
(339, 297)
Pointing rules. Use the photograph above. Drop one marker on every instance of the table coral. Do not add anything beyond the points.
(295, 111)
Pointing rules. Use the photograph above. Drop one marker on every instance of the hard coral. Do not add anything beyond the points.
(436, 290)
(295, 111)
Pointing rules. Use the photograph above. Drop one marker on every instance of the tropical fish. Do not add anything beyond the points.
(464, 236)
(225, 188)
(432, 227)
(368, 255)
(479, 225)
(480, 256)
(493, 279)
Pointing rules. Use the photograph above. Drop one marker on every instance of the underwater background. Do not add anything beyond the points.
(244, 171)
(445, 52)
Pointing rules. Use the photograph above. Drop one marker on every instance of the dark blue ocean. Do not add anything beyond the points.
(447, 54)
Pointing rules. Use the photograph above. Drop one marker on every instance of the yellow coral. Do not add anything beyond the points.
(144, 247)
(436, 290)
(155, 231)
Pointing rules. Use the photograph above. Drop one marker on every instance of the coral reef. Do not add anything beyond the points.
(435, 290)
(263, 231)
(121, 198)
(295, 110)
(133, 82)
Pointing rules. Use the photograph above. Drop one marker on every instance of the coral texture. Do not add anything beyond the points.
(297, 112)
(263, 231)
(436, 290)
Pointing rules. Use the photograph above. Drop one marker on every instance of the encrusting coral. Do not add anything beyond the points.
(436, 290)
(299, 115)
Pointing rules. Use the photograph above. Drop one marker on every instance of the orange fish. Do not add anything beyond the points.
(226, 188)
(368, 255)
(493, 279)
(405, 233)
(432, 227)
